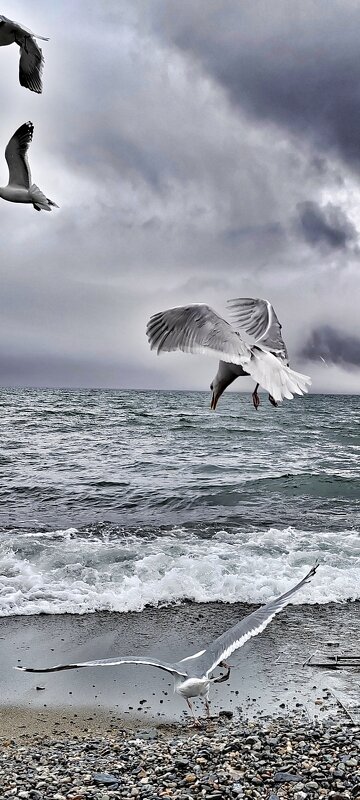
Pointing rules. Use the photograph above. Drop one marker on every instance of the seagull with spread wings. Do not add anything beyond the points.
(193, 674)
(20, 189)
(197, 328)
(31, 57)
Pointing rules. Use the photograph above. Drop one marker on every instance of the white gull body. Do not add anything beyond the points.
(20, 189)
(31, 57)
(193, 674)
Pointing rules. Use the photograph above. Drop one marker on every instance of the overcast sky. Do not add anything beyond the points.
(199, 150)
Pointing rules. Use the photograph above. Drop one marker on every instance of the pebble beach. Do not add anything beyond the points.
(276, 758)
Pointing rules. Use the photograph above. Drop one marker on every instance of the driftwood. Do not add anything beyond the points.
(344, 708)
(330, 661)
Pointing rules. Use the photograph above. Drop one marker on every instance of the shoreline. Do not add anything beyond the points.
(269, 678)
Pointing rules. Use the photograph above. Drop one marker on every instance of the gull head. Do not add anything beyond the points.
(224, 376)
(217, 388)
(216, 393)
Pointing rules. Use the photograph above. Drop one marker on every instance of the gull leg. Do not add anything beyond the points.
(256, 398)
(195, 720)
(272, 401)
(207, 706)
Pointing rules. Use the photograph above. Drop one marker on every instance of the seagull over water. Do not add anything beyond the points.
(31, 57)
(20, 189)
(193, 674)
(197, 328)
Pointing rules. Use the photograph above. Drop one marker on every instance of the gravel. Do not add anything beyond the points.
(281, 758)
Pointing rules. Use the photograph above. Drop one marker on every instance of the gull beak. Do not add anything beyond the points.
(214, 400)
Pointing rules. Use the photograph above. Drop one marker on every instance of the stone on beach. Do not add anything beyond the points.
(220, 761)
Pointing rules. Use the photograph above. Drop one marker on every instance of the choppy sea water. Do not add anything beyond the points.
(117, 500)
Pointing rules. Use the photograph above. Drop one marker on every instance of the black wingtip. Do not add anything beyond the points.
(25, 132)
(313, 569)
(30, 669)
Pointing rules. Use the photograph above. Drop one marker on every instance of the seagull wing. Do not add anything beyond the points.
(31, 64)
(250, 626)
(20, 29)
(31, 57)
(257, 317)
(110, 662)
(16, 156)
(196, 328)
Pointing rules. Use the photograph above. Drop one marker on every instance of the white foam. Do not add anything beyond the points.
(62, 572)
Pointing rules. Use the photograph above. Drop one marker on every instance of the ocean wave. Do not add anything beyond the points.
(70, 571)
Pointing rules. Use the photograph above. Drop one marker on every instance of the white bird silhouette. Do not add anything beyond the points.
(20, 189)
(197, 328)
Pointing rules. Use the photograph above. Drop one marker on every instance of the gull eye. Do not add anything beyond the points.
(211, 386)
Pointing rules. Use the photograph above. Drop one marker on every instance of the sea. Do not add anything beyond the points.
(118, 500)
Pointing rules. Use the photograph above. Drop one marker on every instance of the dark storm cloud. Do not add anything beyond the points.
(336, 347)
(296, 64)
(327, 225)
(155, 135)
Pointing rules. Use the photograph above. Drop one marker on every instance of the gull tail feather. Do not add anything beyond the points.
(39, 199)
(274, 376)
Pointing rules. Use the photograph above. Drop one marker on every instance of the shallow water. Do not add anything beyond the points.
(116, 500)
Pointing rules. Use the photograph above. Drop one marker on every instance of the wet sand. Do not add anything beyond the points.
(270, 678)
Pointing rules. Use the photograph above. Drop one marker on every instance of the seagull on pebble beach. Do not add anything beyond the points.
(197, 328)
(31, 57)
(193, 674)
(20, 189)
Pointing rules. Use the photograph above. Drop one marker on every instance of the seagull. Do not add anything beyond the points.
(197, 328)
(31, 57)
(193, 675)
(20, 189)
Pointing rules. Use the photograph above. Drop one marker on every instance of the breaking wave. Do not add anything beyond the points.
(72, 571)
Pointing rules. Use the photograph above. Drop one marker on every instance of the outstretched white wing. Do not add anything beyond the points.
(257, 317)
(244, 630)
(196, 328)
(16, 156)
(110, 662)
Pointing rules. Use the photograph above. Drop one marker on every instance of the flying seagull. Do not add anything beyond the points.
(193, 674)
(20, 189)
(197, 328)
(31, 57)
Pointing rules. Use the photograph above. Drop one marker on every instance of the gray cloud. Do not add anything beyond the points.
(326, 225)
(297, 67)
(336, 347)
(180, 144)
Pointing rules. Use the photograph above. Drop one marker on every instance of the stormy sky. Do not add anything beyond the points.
(199, 150)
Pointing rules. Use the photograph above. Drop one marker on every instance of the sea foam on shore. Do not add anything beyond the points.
(79, 572)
